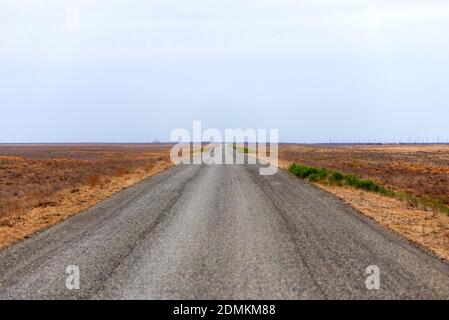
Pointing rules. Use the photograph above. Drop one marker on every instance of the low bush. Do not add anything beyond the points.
(313, 173)
(337, 176)
(316, 174)
(323, 175)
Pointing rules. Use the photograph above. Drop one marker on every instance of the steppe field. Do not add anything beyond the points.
(41, 185)
(158, 238)
(417, 174)
(422, 170)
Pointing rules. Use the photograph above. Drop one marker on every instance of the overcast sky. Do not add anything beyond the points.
(132, 70)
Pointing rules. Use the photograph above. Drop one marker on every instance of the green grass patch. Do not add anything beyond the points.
(333, 177)
(317, 174)
(426, 202)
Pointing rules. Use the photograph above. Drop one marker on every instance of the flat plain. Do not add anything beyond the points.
(419, 174)
(422, 170)
(42, 184)
(220, 232)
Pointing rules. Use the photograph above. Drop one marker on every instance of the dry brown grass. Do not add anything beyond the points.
(417, 169)
(41, 185)
(421, 170)
(427, 228)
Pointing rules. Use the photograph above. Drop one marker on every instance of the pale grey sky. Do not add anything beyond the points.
(135, 70)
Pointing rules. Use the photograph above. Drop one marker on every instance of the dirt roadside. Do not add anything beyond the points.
(428, 229)
(20, 226)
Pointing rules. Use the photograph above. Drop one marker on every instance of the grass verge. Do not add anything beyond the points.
(333, 177)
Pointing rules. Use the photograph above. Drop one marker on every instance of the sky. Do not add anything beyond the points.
(133, 71)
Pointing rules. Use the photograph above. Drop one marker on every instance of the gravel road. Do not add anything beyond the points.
(220, 232)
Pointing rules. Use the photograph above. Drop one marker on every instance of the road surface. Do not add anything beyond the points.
(219, 232)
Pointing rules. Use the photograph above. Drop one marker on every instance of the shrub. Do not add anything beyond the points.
(367, 185)
(337, 176)
(351, 180)
(313, 177)
(322, 173)
(314, 174)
